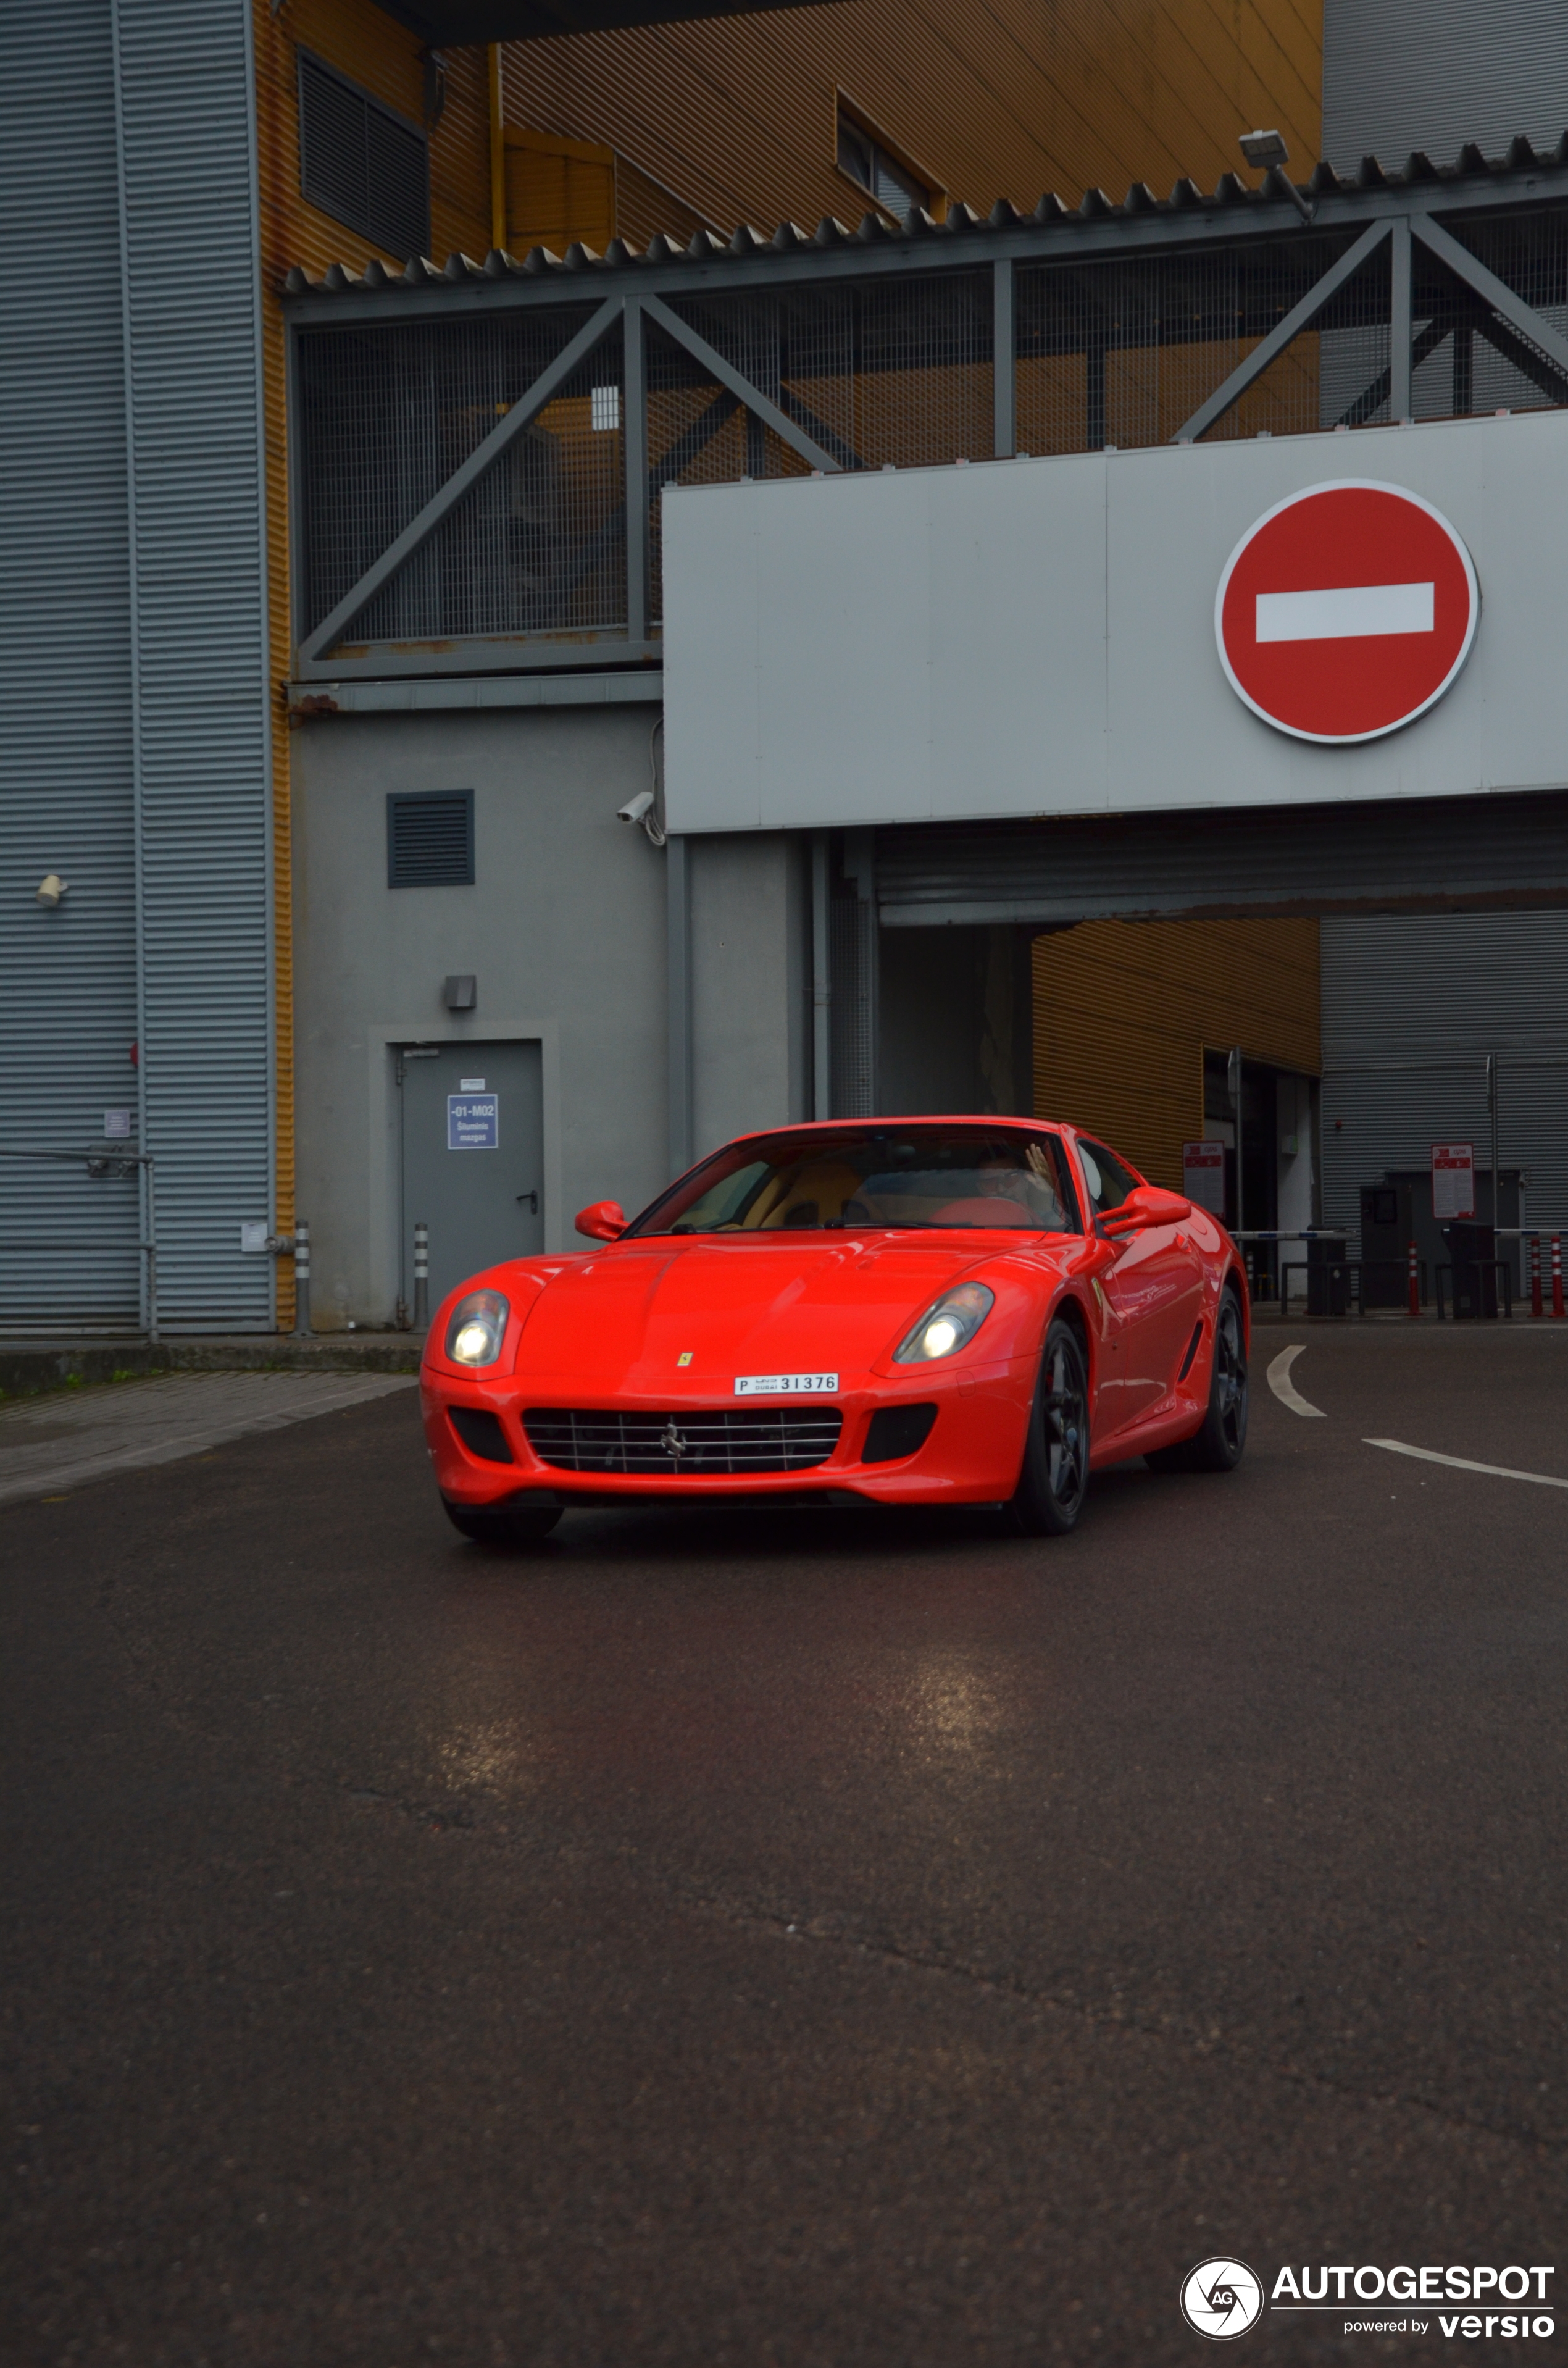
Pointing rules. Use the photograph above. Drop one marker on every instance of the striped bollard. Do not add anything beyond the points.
(422, 1277)
(301, 1279)
(1536, 1307)
(1414, 1283)
(1556, 1274)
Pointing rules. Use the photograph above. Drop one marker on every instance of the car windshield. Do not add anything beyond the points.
(897, 1176)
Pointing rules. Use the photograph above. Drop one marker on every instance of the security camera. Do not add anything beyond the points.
(635, 808)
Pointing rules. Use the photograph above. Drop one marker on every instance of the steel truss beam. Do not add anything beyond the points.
(1400, 215)
(420, 528)
(1268, 349)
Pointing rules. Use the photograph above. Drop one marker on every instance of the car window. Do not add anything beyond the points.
(1001, 1180)
(1108, 1181)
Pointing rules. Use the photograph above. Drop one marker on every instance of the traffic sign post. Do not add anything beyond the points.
(1453, 1181)
(1345, 611)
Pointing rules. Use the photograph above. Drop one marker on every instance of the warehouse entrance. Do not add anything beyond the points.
(1393, 975)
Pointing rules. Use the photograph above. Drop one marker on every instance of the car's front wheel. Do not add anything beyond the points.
(1055, 1477)
(522, 1525)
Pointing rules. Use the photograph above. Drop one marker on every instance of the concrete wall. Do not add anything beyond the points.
(565, 929)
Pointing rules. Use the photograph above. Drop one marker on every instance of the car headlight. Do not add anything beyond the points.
(948, 1326)
(477, 1328)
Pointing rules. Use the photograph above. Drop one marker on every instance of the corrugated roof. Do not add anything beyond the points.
(1231, 195)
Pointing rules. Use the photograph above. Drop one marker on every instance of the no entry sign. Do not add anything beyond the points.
(1345, 610)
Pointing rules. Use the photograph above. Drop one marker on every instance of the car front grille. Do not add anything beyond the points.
(694, 1444)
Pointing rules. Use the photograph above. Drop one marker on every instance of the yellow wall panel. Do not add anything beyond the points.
(383, 56)
(1123, 1011)
(736, 115)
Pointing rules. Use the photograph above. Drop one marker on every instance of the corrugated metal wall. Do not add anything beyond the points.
(1399, 75)
(132, 593)
(1411, 1004)
(1124, 1009)
(188, 189)
(738, 114)
(68, 978)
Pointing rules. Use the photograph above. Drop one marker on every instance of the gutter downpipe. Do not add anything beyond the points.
(497, 154)
(822, 984)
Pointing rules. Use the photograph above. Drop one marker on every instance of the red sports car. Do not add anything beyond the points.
(953, 1311)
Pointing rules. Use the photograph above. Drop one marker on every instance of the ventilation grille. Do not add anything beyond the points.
(361, 164)
(709, 1440)
(430, 838)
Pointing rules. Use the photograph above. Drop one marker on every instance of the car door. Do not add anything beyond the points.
(1153, 1293)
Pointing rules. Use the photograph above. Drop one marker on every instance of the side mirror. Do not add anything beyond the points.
(602, 1221)
(1150, 1204)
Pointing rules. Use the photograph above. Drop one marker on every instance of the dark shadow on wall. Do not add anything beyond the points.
(955, 1021)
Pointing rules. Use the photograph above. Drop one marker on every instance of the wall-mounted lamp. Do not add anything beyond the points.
(1266, 152)
(50, 889)
(460, 993)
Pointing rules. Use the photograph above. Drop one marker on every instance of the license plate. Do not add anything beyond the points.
(786, 1386)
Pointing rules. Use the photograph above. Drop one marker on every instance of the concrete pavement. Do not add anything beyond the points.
(818, 1941)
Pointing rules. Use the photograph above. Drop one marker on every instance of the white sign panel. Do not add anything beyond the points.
(1453, 1180)
(1036, 637)
(1204, 1175)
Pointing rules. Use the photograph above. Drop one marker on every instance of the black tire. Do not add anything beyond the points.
(1218, 1445)
(1054, 1481)
(522, 1525)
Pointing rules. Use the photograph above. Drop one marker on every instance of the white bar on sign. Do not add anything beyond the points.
(1350, 612)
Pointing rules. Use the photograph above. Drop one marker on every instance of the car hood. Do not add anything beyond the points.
(625, 1319)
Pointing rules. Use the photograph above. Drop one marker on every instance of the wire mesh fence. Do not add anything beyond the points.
(881, 371)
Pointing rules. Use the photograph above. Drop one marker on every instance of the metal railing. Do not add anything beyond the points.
(111, 1161)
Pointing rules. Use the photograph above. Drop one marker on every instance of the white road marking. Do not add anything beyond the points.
(1463, 1464)
(62, 1441)
(1348, 612)
(1285, 1389)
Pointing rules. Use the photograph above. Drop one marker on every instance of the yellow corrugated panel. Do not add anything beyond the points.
(737, 114)
(558, 191)
(354, 36)
(1124, 1009)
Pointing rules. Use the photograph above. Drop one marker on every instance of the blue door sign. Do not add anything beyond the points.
(473, 1121)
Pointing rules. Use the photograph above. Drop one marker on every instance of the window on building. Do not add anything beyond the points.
(362, 164)
(893, 186)
(430, 838)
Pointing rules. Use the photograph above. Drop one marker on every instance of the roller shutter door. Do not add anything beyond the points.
(1443, 853)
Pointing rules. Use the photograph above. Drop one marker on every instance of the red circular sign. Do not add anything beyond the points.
(1345, 611)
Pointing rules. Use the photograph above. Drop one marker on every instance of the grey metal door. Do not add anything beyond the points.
(473, 1157)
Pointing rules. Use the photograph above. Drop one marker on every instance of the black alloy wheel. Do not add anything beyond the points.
(1055, 1477)
(521, 1525)
(1217, 1445)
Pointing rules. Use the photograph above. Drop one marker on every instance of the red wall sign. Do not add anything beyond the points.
(1345, 611)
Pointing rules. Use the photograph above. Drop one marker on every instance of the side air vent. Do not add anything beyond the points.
(430, 838)
(896, 1431)
(1191, 1350)
(481, 1434)
(361, 164)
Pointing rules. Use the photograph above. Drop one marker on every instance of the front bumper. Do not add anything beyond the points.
(971, 1454)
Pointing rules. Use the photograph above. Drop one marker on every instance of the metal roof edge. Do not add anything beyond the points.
(833, 250)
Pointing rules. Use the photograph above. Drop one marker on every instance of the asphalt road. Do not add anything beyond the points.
(787, 1941)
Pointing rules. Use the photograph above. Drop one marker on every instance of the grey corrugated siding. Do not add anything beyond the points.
(192, 340)
(68, 978)
(1400, 75)
(129, 261)
(1411, 1004)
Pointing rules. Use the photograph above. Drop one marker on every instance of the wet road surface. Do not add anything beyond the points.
(827, 1940)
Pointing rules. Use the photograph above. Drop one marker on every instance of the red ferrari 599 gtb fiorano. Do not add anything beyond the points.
(959, 1311)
